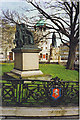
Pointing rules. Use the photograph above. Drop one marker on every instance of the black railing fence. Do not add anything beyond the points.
(38, 93)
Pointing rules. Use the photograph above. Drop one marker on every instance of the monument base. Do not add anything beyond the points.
(26, 61)
(26, 73)
(12, 75)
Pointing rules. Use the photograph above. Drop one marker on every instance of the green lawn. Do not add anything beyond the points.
(59, 71)
(6, 67)
(51, 69)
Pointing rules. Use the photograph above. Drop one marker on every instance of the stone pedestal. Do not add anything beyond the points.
(55, 55)
(26, 61)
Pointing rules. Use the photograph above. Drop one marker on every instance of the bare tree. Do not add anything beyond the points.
(15, 18)
(65, 22)
(7, 36)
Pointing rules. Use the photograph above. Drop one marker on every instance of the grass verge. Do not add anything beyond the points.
(49, 69)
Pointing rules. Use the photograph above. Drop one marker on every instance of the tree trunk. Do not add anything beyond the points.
(71, 57)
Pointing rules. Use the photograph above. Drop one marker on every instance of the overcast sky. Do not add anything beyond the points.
(10, 0)
(12, 4)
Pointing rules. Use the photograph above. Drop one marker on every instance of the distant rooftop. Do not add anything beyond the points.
(41, 22)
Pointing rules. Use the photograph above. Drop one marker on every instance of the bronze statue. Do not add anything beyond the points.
(23, 36)
(54, 40)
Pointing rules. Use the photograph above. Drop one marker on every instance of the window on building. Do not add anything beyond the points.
(40, 55)
(46, 56)
(42, 48)
(10, 55)
(9, 46)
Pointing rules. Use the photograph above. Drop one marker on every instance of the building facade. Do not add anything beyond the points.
(64, 51)
(5, 51)
(45, 42)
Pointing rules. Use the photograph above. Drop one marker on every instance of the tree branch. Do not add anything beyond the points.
(62, 40)
(49, 17)
(76, 15)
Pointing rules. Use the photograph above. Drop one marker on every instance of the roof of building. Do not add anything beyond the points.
(41, 22)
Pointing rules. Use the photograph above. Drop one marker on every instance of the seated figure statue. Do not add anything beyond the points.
(23, 36)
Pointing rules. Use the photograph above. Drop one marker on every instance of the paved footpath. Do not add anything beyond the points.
(39, 111)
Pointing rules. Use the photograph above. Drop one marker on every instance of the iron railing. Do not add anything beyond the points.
(24, 92)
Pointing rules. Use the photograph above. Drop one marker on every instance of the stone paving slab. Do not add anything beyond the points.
(38, 111)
